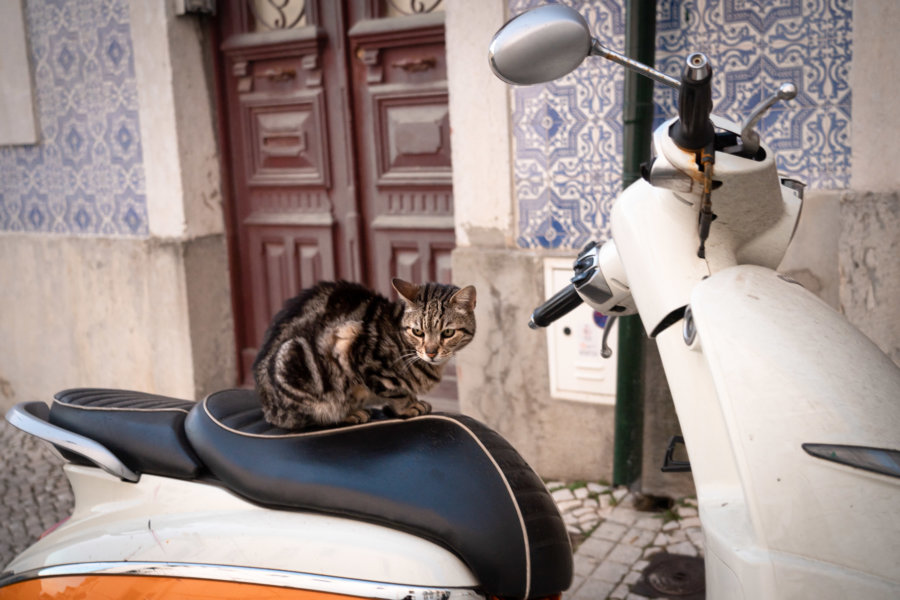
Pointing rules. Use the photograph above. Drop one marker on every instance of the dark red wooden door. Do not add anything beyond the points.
(400, 95)
(335, 120)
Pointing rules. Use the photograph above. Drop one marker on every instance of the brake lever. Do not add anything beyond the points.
(605, 350)
(749, 137)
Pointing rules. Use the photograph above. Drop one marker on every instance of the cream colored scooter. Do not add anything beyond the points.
(179, 499)
(791, 417)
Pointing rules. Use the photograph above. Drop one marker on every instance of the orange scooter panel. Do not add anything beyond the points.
(128, 587)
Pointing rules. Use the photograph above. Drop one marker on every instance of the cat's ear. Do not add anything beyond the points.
(465, 298)
(407, 290)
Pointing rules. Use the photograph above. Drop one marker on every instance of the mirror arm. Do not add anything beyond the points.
(598, 49)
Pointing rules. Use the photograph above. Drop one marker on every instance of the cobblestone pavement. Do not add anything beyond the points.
(614, 540)
(34, 493)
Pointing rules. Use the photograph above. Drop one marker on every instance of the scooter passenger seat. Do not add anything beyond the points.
(145, 431)
(446, 478)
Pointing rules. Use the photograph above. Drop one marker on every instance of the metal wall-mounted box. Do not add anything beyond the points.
(574, 342)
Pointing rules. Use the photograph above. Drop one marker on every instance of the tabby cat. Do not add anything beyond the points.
(339, 347)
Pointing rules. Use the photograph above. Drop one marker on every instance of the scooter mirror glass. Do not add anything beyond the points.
(540, 45)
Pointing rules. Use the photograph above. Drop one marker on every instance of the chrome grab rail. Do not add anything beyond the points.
(32, 418)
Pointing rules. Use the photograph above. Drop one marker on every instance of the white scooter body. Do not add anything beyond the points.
(790, 416)
(202, 530)
(772, 368)
(767, 368)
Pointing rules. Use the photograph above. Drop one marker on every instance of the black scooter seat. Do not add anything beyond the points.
(447, 478)
(145, 431)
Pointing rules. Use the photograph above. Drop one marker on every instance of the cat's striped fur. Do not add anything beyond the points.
(339, 347)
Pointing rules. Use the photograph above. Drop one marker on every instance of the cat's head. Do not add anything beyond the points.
(439, 319)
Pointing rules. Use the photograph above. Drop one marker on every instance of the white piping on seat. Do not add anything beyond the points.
(471, 433)
(121, 409)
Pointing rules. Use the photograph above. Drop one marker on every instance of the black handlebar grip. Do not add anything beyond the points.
(694, 130)
(559, 305)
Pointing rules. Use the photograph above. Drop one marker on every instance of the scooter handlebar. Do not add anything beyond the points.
(694, 129)
(562, 303)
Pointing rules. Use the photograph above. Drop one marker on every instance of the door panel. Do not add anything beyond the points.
(400, 91)
(411, 131)
(336, 119)
(287, 138)
(413, 255)
(282, 261)
(294, 217)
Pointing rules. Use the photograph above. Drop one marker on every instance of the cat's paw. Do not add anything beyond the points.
(414, 409)
(358, 416)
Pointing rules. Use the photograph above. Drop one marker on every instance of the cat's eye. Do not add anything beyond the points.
(417, 332)
(448, 333)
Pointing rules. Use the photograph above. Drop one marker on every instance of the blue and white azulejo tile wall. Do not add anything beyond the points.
(568, 133)
(85, 176)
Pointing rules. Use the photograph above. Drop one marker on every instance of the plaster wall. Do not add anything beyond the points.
(113, 269)
(17, 123)
(92, 312)
(869, 262)
(175, 87)
(503, 374)
(875, 79)
(869, 217)
(479, 112)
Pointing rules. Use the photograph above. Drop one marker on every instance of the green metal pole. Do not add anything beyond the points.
(640, 44)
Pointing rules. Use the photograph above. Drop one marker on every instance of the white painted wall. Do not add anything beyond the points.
(875, 80)
(479, 120)
(181, 160)
(17, 124)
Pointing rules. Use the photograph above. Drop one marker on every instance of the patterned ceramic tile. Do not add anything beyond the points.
(568, 134)
(86, 175)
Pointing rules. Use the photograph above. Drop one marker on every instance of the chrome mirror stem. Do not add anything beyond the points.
(598, 49)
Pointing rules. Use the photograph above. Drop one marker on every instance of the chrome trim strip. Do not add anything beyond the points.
(289, 579)
(883, 461)
(32, 418)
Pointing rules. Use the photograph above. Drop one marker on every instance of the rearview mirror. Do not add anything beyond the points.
(540, 45)
(549, 42)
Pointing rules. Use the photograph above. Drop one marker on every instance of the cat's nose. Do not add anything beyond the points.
(430, 353)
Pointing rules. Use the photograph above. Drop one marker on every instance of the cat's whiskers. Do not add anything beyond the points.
(407, 359)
